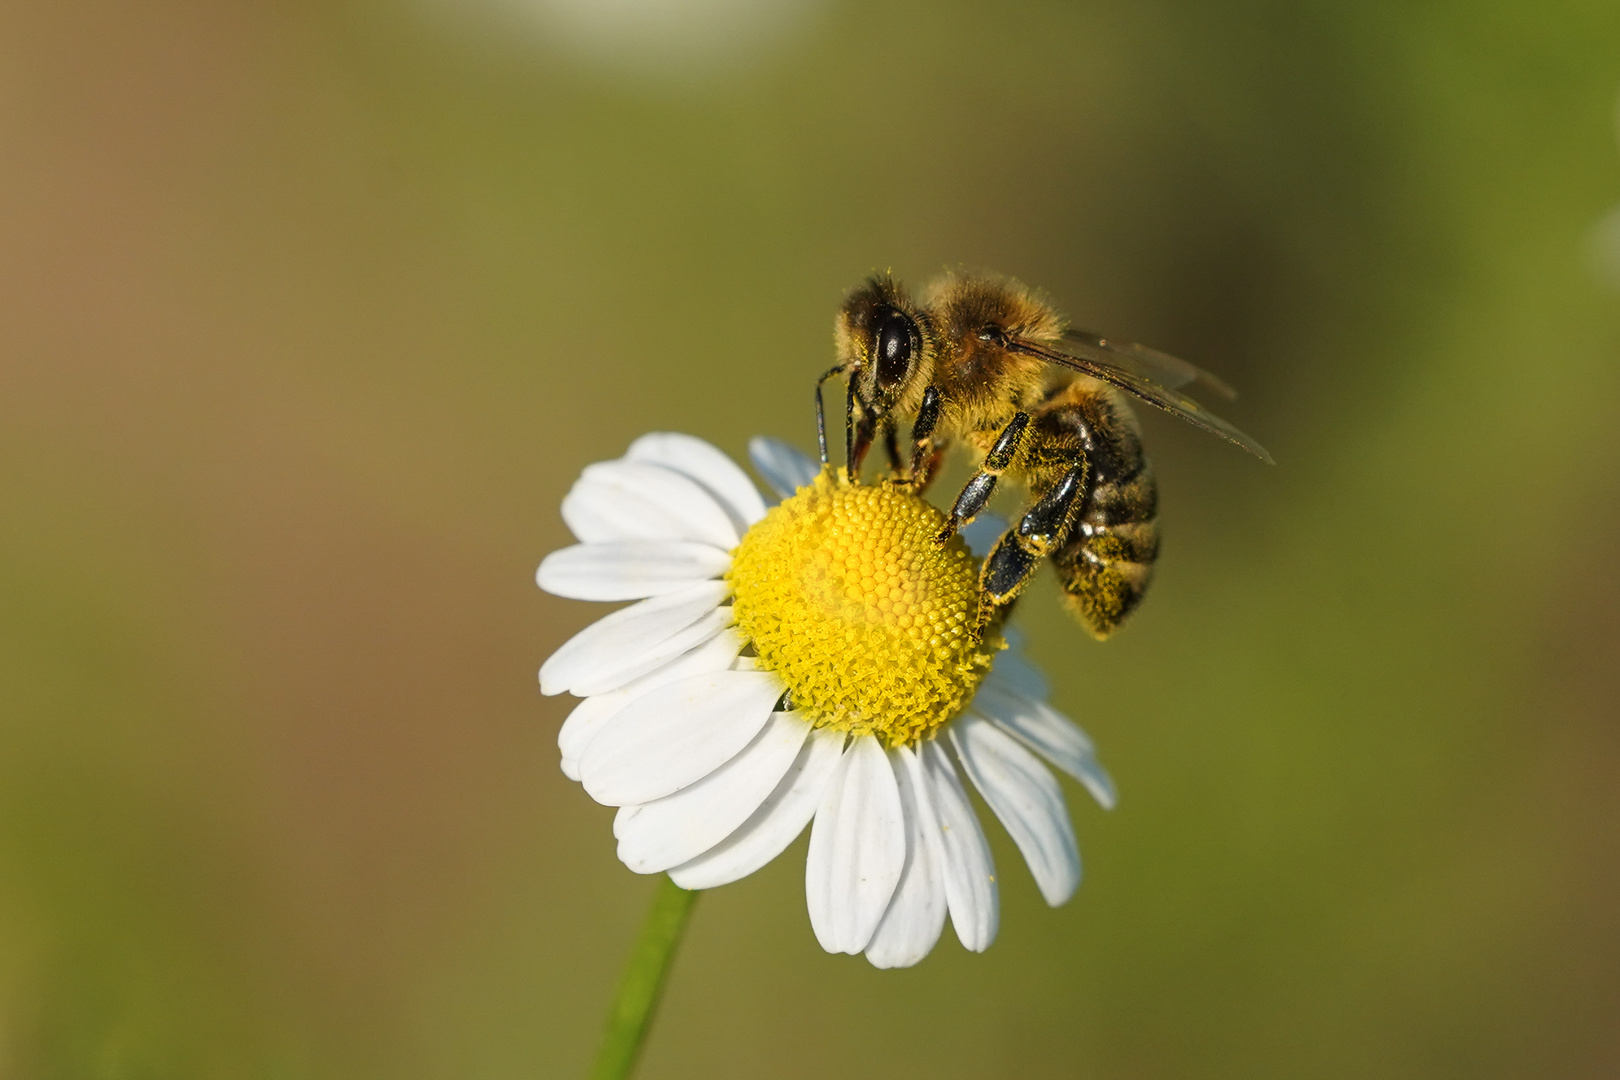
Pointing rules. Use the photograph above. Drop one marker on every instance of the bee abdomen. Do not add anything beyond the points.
(1106, 562)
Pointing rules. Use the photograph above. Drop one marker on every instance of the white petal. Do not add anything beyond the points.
(629, 569)
(629, 642)
(676, 735)
(582, 725)
(783, 467)
(709, 466)
(1026, 797)
(699, 633)
(775, 824)
(970, 872)
(982, 532)
(857, 849)
(916, 914)
(595, 518)
(589, 715)
(1049, 733)
(636, 500)
(1014, 670)
(622, 820)
(680, 827)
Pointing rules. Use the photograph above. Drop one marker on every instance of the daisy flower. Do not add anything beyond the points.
(815, 660)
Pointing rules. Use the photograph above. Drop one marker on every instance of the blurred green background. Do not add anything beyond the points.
(310, 312)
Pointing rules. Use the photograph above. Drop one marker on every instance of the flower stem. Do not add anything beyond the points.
(643, 981)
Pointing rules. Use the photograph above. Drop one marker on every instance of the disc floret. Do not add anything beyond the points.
(843, 592)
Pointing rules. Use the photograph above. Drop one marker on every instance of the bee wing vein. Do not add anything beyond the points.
(1104, 364)
(1160, 367)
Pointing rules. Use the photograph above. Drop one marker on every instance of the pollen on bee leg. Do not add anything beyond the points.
(844, 592)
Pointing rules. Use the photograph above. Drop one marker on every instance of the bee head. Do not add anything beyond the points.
(882, 340)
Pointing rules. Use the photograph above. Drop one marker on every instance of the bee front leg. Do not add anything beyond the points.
(977, 491)
(1016, 556)
(925, 452)
(891, 446)
(859, 429)
(866, 430)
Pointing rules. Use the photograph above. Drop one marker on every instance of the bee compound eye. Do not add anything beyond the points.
(895, 339)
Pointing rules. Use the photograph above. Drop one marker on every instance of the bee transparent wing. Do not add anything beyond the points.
(1106, 365)
(1168, 371)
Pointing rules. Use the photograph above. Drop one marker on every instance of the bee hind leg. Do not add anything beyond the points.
(1016, 556)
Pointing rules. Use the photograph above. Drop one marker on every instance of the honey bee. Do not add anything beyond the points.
(983, 361)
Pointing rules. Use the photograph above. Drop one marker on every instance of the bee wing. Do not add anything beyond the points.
(1105, 364)
(1168, 371)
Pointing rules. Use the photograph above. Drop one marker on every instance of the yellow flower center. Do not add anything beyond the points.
(874, 628)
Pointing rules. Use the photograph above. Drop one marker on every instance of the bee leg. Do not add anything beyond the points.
(977, 491)
(925, 452)
(891, 446)
(924, 464)
(1044, 525)
(1038, 533)
(859, 429)
(865, 432)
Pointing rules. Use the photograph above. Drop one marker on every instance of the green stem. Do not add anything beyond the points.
(643, 981)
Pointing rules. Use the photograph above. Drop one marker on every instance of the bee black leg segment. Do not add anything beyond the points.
(1047, 522)
(858, 431)
(1006, 570)
(1019, 551)
(922, 472)
(924, 453)
(927, 416)
(1001, 454)
(974, 494)
(891, 446)
(977, 491)
(865, 431)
